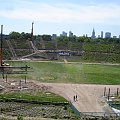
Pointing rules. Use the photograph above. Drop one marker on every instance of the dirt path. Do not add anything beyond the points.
(90, 97)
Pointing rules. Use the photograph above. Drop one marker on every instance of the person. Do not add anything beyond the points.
(76, 97)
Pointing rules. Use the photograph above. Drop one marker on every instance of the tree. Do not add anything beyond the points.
(22, 35)
(38, 38)
(27, 36)
(14, 35)
(47, 37)
(81, 39)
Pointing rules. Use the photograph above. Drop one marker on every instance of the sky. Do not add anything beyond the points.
(55, 16)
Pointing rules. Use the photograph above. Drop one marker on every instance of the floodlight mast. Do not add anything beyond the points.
(32, 31)
(1, 49)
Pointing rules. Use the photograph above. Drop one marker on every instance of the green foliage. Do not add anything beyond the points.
(102, 48)
(62, 45)
(80, 39)
(46, 37)
(65, 108)
(56, 116)
(49, 45)
(72, 73)
(14, 35)
(94, 50)
(101, 52)
(34, 95)
(19, 117)
(25, 36)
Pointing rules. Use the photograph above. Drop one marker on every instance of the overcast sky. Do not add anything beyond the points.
(55, 16)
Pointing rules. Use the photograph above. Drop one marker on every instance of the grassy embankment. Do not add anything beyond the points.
(34, 95)
(71, 73)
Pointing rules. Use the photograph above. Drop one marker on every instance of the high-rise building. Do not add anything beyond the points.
(83, 35)
(54, 36)
(64, 34)
(108, 35)
(98, 36)
(93, 34)
(119, 36)
(70, 34)
(101, 34)
(114, 36)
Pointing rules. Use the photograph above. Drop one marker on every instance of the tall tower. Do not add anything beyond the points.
(93, 34)
(70, 34)
(101, 34)
(32, 31)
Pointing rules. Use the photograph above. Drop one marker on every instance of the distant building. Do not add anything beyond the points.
(119, 36)
(101, 34)
(54, 36)
(98, 36)
(83, 35)
(63, 34)
(108, 35)
(114, 36)
(93, 34)
(70, 34)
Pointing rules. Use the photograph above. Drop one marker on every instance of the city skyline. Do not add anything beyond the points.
(93, 35)
(71, 34)
(52, 17)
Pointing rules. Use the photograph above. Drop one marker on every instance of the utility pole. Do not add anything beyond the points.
(1, 49)
(32, 31)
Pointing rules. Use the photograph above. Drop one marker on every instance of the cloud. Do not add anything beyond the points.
(67, 13)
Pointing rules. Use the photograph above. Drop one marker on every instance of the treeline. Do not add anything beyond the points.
(82, 39)
(95, 50)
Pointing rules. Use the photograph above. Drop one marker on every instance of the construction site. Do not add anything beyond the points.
(92, 101)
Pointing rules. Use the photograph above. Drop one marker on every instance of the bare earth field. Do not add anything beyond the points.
(90, 97)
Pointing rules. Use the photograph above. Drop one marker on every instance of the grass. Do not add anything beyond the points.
(102, 74)
(71, 72)
(32, 95)
(5, 117)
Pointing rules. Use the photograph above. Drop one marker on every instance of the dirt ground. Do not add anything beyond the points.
(89, 97)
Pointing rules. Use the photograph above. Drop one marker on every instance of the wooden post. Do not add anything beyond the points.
(25, 79)
(109, 94)
(26, 69)
(117, 92)
(104, 91)
(3, 75)
(20, 84)
(6, 78)
(26, 73)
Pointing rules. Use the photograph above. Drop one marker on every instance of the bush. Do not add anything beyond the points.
(19, 117)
